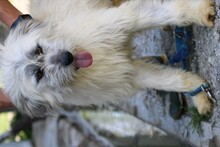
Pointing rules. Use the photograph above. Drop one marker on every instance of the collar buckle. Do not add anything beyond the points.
(206, 88)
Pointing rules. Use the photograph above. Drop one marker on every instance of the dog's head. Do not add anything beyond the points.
(38, 66)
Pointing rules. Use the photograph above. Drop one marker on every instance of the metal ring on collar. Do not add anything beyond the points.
(204, 87)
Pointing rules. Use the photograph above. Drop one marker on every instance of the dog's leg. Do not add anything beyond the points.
(155, 13)
(160, 77)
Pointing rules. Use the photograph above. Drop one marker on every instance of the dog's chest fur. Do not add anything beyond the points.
(106, 80)
(111, 74)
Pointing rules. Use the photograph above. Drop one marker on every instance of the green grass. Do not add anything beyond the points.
(5, 122)
(196, 119)
(4, 117)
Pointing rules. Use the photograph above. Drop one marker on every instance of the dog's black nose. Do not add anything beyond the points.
(66, 58)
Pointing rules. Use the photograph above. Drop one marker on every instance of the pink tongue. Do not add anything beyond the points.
(83, 59)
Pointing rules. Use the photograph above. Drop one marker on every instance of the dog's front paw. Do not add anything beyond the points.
(202, 103)
(207, 13)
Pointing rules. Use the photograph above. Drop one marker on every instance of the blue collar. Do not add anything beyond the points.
(201, 88)
(204, 87)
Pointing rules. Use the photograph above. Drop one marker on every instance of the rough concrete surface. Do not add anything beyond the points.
(205, 61)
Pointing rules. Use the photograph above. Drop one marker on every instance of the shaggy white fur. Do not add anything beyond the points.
(37, 82)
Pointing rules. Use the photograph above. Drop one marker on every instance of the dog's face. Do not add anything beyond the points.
(38, 67)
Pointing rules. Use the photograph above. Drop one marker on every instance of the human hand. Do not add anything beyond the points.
(8, 13)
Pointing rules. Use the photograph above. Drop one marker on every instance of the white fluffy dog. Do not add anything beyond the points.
(78, 52)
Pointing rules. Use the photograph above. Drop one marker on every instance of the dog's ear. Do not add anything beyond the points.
(34, 108)
(38, 108)
(20, 19)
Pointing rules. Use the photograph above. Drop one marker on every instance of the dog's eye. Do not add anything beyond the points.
(39, 74)
(38, 50)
